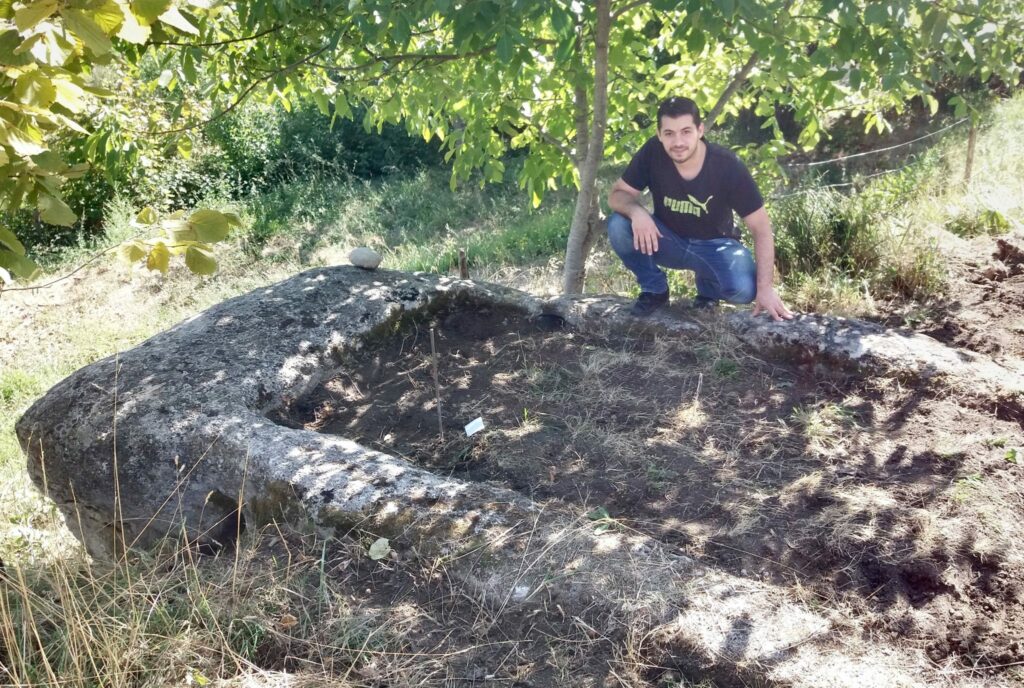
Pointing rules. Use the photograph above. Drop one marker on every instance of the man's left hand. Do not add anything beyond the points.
(769, 302)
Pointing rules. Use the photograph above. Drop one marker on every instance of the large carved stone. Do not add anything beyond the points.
(174, 437)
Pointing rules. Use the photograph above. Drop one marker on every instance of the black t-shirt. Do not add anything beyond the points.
(700, 208)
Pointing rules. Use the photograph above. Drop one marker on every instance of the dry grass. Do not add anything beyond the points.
(280, 603)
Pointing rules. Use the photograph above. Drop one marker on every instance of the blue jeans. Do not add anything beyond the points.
(724, 268)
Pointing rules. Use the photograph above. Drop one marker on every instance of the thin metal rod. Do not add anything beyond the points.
(463, 264)
(437, 384)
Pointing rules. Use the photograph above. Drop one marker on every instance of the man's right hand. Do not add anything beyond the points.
(645, 234)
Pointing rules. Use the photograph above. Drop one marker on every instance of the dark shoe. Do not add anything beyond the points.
(703, 303)
(648, 302)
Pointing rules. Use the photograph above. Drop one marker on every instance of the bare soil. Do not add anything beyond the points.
(897, 505)
(984, 311)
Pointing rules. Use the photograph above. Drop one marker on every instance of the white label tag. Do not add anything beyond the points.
(474, 427)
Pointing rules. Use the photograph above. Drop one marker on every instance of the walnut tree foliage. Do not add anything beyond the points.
(573, 83)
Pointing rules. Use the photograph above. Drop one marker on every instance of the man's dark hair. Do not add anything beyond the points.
(677, 107)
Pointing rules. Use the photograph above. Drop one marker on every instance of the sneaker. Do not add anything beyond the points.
(648, 302)
(703, 303)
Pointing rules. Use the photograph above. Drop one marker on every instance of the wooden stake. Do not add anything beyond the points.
(437, 384)
(463, 264)
(972, 140)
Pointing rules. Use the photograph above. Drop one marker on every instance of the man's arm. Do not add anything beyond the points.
(625, 200)
(764, 256)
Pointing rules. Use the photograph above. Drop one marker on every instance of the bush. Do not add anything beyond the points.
(260, 147)
(821, 229)
(971, 224)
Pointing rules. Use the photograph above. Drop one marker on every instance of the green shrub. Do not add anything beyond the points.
(971, 224)
(821, 229)
(261, 146)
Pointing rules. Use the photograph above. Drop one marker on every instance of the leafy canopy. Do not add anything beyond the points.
(480, 77)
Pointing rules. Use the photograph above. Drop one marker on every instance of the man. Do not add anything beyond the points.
(696, 186)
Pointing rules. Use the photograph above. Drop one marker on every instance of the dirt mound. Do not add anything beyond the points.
(894, 504)
(985, 309)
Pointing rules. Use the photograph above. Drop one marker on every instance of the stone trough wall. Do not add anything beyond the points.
(170, 437)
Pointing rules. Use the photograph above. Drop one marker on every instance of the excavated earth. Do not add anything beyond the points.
(823, 502)
(984, 312)
(893, 502)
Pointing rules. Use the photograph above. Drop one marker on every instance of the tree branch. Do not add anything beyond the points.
(738, 79)
(243, 95)
(214, 44)
(627, 7)
(552, 141)
(731, 89)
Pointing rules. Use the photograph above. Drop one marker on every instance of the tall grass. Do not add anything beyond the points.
(165, 618)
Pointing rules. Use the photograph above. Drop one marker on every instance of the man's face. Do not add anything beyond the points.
(679, 135)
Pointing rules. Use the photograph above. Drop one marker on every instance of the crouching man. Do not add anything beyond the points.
(696, 186)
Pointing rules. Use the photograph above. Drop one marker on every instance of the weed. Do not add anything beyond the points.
(824, 425)
(726, 368)
(970, 224)
(965, 486)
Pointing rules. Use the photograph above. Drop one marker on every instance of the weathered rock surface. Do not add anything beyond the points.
(174, 435)
(182, 419)
(845, 343)
(366, 258)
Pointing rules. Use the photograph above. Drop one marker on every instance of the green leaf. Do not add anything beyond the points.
(233, 219)
(855, 79)
(10, 242)
(179, 230)
(33, 88)
(108, 17)
(146, 216)
(149, 10)
(505, 48)
(132, 251)
(185, 147)
(210, 225)
(173, 17)
(322, 104)
(877, 14)
(33, 13)
(24, 143)
(380, 548)
(87, 31)
(69, 95)
(17, 265)
(188, 68)
(54, 211)
(133, 30)
(10, 41)
(49, 161)
(159, 257)
(565, 48)
(200, 261)
(939, 29)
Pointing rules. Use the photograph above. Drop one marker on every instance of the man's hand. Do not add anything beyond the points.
(645, 234)
(769, 302)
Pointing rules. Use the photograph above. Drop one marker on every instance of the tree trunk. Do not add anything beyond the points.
(583, 232)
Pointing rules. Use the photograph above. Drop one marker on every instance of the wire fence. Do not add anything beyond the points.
(862, 178)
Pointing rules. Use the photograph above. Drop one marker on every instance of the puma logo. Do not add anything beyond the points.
(704, 205)
(691, 206)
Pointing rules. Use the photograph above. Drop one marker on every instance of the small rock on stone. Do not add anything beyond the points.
(365, 258)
